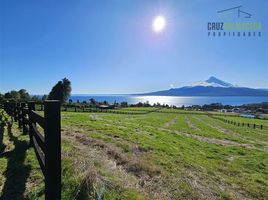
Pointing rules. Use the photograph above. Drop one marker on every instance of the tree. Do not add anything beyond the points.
(140, 104)
(12, 95)
(21, 95)
(124, 104)
(93, 102)
(146, 104)
(24, 95)
(61, 91)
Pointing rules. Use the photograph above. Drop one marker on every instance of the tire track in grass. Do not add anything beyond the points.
(191, 125)
(247, 140)
(209, 139)
(217, 128)
(172, 122)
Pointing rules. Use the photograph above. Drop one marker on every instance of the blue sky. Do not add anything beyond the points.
(109, 46)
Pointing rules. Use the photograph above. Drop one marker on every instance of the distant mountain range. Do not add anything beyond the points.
(211, 87)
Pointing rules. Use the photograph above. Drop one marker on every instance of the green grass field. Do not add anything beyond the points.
(145, 156)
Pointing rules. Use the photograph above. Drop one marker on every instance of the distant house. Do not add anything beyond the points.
(223, 110)
(248, 116)
(106, 106)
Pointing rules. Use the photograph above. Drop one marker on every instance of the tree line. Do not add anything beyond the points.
(60, 91)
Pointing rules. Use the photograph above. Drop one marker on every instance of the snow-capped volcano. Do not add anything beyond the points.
(212, 82)
(211, 87)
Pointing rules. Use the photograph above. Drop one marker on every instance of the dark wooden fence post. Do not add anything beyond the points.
(261, 126)
(19, 114)
(5, 106)
(15, 112)
(52, 150)
(254, 125)
(23, 106)
(12, 110)
(31, 106)
(8, 108)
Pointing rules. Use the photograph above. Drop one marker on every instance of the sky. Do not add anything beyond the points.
(109, 47)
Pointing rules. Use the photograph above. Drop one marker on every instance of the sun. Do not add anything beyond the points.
(159, 24)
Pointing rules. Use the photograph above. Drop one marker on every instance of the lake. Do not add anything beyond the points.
(171, 100)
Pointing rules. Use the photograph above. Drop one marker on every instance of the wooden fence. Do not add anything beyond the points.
(47, 146)
(241, 124)
(100, 110)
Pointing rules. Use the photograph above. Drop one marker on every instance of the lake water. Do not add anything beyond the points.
(176, 101)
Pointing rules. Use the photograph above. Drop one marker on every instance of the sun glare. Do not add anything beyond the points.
(159, 24)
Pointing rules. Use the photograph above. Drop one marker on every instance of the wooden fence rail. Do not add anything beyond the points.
(47, 146)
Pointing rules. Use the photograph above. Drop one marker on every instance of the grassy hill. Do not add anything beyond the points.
(157, 155)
